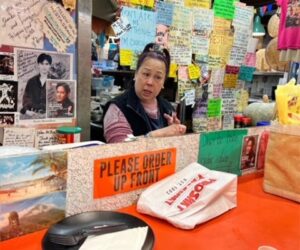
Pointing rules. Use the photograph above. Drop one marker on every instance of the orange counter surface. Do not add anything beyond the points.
(259, 219)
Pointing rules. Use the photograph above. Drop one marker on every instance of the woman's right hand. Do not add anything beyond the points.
(171, 130)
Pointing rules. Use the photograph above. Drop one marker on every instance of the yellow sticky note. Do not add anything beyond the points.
(173, 70)
(148, 3)
(126, 57)
(194, 71)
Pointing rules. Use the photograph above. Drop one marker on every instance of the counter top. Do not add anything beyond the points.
(259, 219)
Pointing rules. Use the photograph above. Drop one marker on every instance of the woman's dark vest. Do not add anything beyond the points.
(131, 107)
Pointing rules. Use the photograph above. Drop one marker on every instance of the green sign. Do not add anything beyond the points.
(221, 150)
(224, 9)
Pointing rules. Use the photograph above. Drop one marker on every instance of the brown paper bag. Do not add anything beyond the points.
(282, 166)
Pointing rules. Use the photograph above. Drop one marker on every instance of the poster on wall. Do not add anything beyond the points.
(34, 68)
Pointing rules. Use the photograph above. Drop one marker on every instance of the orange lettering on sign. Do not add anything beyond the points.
(129, 172)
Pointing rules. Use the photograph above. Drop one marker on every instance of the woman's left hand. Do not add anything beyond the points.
(172, 119)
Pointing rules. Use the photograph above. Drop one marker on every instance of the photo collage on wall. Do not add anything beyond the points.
(33, 61)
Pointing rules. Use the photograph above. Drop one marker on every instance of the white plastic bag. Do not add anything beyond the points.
(190, 197)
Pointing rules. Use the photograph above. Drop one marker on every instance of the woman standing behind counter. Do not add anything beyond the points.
(140, 110)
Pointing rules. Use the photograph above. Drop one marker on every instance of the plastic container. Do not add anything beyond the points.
(263, 123)
(68, 134)
(246, 122)
(238, 121)
(103, 83)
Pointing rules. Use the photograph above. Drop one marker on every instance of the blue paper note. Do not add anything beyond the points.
(246, 73)
(143, 29)
(164, 13)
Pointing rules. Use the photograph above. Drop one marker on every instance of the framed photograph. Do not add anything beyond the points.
(249, 152)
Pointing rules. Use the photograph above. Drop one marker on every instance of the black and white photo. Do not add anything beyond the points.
(6, 66)
(8, 96)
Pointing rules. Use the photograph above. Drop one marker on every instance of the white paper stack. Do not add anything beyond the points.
(131, 239)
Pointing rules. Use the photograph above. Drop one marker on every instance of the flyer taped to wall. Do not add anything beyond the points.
(190, 197)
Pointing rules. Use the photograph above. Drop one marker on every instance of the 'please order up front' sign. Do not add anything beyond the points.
(130, 172)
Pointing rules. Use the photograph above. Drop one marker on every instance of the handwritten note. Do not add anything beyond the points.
(243, 15)
(183, 87)
(221, 150)
(242, 98)
(246, 73)
(164, 13)
(214, 107)
(181, 55)
(143, 28)
(230, 80)
(216, 40)
(19, 137)
(179, 37)
(121, 26)
(241, 37)
(228, 121)
(126, 57)
(203, 19)
(237, 55)
(225, 52)
(177, 2)
(228, 108)
(217, 90)
(252, 45)
(200, 44)
(182, 17)
(194, 71)
(189, 97)
(214, 123)
(26, 61)
(224, 8)
(45, 137)
(229, 69)
(217, 76)
(221, 25)
(58, 26)
(19, 25)
(198, 3)
(199, 124)
(214, 62)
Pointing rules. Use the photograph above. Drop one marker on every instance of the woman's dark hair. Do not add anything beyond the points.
(42, 57)
(155, 51)
(65, 86)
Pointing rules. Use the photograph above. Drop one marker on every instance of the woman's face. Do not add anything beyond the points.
(149, 79)
(249, 146)
(44, 67)
(61, 94)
